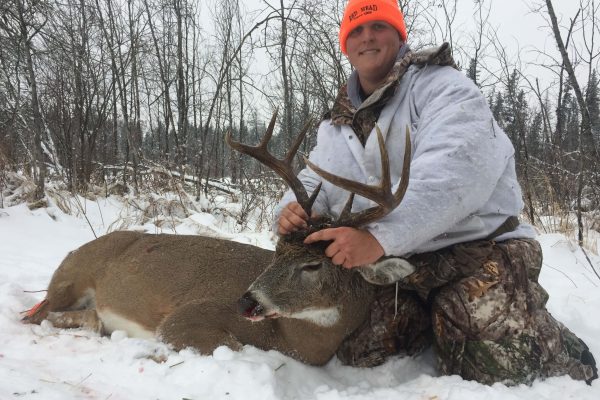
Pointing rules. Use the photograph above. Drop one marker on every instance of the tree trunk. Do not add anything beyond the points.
(586, 127)
(39, 167)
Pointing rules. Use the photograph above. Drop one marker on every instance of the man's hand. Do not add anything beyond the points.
(350, 248)
(292, 218)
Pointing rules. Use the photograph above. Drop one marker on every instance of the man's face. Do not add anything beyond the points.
(372, 49)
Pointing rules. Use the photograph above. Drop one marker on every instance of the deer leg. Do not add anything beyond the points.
(87, 319)
(200, 324)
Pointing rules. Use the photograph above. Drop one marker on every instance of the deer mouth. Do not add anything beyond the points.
(258, 315)
(256, 318)
(251, 309)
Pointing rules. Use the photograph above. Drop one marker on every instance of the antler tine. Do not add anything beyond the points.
(380, 194)
(347, 210)
(269, 133)
(283, 168)
(314, 194)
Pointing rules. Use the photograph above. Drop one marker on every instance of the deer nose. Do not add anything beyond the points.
(249, 307)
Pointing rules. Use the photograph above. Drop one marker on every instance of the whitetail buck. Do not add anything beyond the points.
(186, 290)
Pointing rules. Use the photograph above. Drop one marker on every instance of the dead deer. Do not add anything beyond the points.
(205, 292)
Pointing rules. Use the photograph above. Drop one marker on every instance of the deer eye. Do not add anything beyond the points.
(311, 267)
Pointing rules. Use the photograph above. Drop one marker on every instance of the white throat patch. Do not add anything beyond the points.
(325, 317)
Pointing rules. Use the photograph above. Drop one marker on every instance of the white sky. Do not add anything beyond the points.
(517, 25)
(523, 32)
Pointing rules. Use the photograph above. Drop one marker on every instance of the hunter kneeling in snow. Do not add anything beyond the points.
(470, 282)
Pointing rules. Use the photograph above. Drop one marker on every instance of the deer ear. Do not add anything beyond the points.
(386, 270)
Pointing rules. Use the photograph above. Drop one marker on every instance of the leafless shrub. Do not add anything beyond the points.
(3, 175)
(258, 198)
(17, 188)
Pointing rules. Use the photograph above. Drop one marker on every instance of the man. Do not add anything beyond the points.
(471, 276)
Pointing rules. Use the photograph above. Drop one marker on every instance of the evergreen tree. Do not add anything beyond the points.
(515, 110)
(498, 109)
(593, 103)
(473, 72)
(562, 115)
(571, 121)
(534, 136)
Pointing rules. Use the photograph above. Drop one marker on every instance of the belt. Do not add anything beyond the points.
(509, 225)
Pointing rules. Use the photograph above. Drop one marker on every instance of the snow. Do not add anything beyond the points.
(41, 362)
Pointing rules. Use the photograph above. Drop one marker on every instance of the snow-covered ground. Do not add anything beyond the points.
(41, 362)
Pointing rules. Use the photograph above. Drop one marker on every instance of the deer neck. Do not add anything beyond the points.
(318, 342)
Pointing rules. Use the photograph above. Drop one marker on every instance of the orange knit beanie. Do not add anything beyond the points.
(359, 12)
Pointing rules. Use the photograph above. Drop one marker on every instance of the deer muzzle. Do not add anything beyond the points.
(250, 308)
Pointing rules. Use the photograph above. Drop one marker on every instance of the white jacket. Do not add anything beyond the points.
(462, 183)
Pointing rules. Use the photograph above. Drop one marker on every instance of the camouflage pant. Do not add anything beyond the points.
(482, 307)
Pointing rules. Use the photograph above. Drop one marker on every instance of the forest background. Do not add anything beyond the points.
(136, 95)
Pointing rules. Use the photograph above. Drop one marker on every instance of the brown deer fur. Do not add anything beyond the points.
(184, 290)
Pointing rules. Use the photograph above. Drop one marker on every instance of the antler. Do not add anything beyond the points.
(380, 194)
(283, 168)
